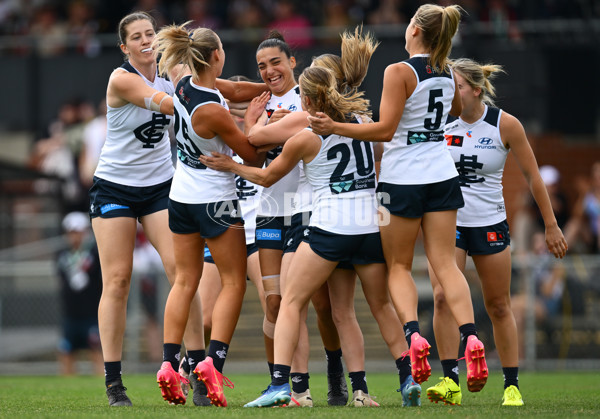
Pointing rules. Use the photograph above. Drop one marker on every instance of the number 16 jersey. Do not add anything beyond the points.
(194, 183)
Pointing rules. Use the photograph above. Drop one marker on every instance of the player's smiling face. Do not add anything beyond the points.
(276, 70)
(138, 43)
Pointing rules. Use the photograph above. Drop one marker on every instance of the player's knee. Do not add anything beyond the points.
(498, 308)
(268, 328)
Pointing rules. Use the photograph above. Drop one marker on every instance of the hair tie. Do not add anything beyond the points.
(191, 37)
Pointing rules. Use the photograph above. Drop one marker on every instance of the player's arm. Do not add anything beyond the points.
(514, 137)
(125, 87)
(240, 91)
(301, 146)
(278, 132)
(213, 119)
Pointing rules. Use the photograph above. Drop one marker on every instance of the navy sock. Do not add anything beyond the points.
(299, 382)
(403, 366)
(511, 376)
(410, 328)
(467, 330)
(185, 364)
(358, 380)
(281, 374)
(334, 362)
(193, 358)
(218, 352)
(112, 372)
(450, 367)
(270, 364)
(172, 353)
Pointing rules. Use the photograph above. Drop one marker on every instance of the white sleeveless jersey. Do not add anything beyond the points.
(276, 201)
(479, 155)
(302, 201)
(342, 175)
(248, 195)
(137, 151)
(417, 154)
(194, 183)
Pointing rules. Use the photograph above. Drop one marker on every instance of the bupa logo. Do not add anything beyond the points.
(485, 141)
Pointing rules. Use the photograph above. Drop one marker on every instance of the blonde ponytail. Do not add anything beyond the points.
(175, 45)
(438, 25)
(320, 86)
(478, 76)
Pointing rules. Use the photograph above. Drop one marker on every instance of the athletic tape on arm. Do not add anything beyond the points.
(151, 105)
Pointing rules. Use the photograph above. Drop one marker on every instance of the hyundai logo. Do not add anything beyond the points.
(485, 141)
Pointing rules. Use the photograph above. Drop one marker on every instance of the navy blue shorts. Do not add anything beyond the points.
(250, 249)
(483, 240)
(297, 232)
(359, 249)
(270, 232)
(412, 201)
(210, 220)
(111, 200)
(79, 334)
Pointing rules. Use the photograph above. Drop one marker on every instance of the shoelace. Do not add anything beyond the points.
(227, 382)
(184, 380)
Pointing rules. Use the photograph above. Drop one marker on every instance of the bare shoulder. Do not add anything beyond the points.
(509, 123)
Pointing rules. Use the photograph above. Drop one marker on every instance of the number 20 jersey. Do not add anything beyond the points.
(342, 175)
(417, 154)
(480, 155)
(137, 151)
(194, 183)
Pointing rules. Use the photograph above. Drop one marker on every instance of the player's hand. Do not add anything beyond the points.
(218, 161)
(321, 124)
(278, 114)
(256, 108)
(557, 245)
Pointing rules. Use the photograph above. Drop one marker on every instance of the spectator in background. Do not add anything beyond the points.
(295, 27)
(48, 30)
(501, 15)
(586, 212)
(78, 267)
(548, 277)
(94, 136)
(528, 219)
(388, 12)
(82, 25)
(246, 14)
(200, 14)
(148, 271)
(59, 153)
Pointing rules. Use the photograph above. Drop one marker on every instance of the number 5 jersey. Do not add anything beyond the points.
(417, 154)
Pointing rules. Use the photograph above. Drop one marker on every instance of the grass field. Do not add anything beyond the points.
(545, 395)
